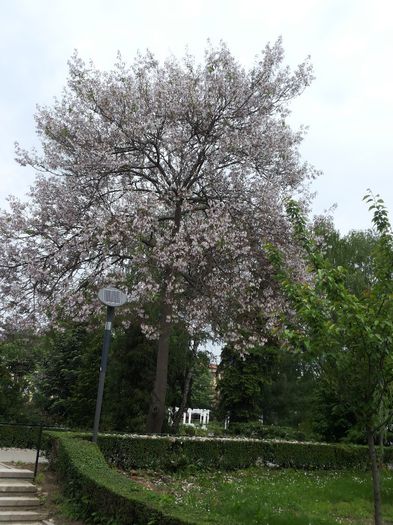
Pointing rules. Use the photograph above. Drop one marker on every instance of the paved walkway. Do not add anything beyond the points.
(20, 455)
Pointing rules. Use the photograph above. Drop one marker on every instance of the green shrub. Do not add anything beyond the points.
(192, 430)
(259, 431)
(101, 494)
(216, 428)
(213, 429)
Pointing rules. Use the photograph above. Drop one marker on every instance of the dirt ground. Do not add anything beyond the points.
(51, 494)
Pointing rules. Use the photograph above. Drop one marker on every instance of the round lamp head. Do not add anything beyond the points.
(112, 296)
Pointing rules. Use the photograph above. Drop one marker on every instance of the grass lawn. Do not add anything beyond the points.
(272, 496)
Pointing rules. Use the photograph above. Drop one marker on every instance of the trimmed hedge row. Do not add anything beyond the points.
(101, 494)
(104, 496)
(171, 453)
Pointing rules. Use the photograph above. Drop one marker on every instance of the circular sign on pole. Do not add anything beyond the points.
(112, 296)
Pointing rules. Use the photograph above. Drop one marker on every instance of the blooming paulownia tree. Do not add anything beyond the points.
(164, 180)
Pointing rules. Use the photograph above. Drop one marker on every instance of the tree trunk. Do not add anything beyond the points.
(155, 418)
(183, 404)
(381, 445)
(376, 478)
(186, 388)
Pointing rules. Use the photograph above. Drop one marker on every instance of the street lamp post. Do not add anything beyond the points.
(111, 297)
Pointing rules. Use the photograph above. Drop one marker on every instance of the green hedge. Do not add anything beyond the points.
(18, 436)
(101, 494)
(170, 453)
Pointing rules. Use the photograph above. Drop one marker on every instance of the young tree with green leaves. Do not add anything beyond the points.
(350, 335)
(332, 420)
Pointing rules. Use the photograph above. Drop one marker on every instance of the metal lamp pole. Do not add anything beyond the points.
(111, 297)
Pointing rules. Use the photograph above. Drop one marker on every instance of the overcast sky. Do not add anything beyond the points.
(349, 107)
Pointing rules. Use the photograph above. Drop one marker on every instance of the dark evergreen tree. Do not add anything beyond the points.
(241, 379)
(129, 381)
(66, 384)
(67, 380)
(202, 388)
(288, 390)
(18, 358)
(268, 384)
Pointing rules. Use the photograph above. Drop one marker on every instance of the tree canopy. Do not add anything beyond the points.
(162, 179)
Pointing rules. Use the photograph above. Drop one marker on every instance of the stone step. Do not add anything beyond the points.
(21, 516)
(16, 495)
(16, 485)
(19, 501)
(16, 473)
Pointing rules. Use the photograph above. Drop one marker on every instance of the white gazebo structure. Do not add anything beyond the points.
(190, 419)
(193, 416)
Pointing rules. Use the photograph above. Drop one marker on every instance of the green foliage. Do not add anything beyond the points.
(129, 381)
(67, 382)
(353, 251)
(215, 428)
(102, 495)
(18, 436)
(287, 394)
(65, 385)
(333, 420)
(350, 333)
(164, 453)
(350, 336)
(131, 372)
(202, 389)
(240, 383)
(268, 383)
(18, 357)
(180, 360)
(192, 430)
(257, 430)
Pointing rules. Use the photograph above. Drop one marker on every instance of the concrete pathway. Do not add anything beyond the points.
(20, 455)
